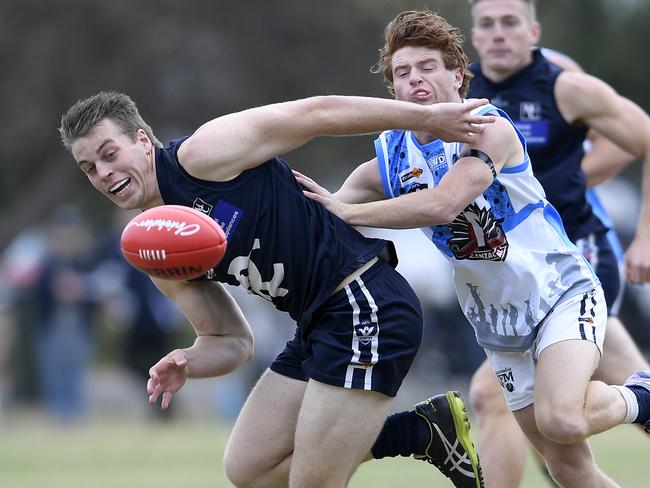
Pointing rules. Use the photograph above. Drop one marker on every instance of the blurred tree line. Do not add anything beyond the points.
(185, 62)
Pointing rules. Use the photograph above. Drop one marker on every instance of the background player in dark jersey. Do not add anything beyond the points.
(555, 109)
(312, 418)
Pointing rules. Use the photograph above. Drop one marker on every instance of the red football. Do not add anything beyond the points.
(173, 242)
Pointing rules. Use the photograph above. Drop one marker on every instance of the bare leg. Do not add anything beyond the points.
(261, 444)
(336, 428)
(501, 443)
(571, 465)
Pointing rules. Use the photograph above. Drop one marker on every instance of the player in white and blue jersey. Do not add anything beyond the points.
(359, 323)
(535, 303)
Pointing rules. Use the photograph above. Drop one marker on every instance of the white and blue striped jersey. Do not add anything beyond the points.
(511, 257)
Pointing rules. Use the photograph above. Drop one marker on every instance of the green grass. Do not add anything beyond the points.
(130, 453)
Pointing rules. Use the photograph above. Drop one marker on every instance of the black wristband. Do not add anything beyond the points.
(476, 153)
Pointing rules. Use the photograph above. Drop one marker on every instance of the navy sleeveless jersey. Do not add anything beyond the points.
(281, 245)
(555, 147)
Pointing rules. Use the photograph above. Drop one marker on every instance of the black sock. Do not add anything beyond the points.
(403, 434)
(643, 399)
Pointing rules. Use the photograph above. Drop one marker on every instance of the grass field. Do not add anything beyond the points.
(134, 454)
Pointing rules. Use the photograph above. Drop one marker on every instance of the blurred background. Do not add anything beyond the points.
(78, 327)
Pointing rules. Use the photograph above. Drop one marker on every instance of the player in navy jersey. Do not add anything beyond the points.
(555, 105)
(313, 416)
(515, 270)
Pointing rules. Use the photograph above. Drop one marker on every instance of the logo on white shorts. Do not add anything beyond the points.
(506, 378)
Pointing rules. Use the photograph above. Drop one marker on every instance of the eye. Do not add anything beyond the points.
(89, 169)
(111, 154)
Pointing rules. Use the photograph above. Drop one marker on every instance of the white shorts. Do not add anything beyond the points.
(582, 317)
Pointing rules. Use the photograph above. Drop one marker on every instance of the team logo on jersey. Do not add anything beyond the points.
(478, 235)
(506, 379)
(202, 206)
(411, 173)
(365, 331)
(530, 111)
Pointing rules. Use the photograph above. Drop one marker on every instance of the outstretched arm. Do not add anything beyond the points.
(465, 181)
(224, 339)
(628, 126)
(225, 146)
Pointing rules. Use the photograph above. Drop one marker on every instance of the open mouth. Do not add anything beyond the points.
(119, 186)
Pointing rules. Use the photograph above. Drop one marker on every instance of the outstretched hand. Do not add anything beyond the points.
(459, 124)
(167, 376)
(313, 190)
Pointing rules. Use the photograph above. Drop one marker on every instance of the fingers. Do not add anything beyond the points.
(637, 275)
(154, 389)
(474, 103)
(166, 398)
(480, 120)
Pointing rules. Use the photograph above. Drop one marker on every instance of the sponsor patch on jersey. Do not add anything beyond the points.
(202, 206)
(227, 216)
(411, 173)
(506, 379)
(535, 131)
(437, 164)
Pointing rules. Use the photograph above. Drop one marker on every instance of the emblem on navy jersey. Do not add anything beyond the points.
(365, 331)
(478, 235)
(530, 111)
(411, 173)
(202, 206)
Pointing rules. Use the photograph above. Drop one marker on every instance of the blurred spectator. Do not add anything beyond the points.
(21, 268)
(65, 299)
(130, 299)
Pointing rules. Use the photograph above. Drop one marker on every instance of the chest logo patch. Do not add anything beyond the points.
(411, 173)
(478, 235)
(530, 111)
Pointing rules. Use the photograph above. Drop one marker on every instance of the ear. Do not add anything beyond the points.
(143, 139)
(458, 78)
(535, 33)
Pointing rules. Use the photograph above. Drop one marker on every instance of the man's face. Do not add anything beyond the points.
(119, 168)
(420, 76)
(502, 34)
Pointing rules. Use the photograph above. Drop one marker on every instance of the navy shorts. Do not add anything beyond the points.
(364, 336)
(602, 254)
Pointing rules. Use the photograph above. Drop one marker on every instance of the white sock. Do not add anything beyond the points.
(631, 402)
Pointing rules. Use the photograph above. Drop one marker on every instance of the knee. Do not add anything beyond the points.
(560, 427)
(485, 396)
(238, 471)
